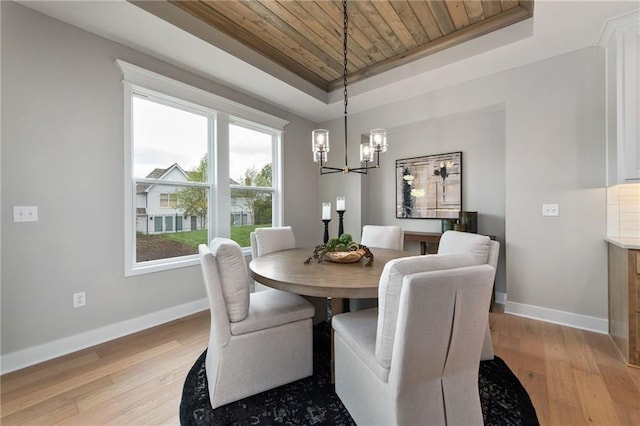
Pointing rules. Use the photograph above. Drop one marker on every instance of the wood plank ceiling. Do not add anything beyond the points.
(306, 37)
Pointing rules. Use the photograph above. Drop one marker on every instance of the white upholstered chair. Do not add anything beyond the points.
(465, 242)
(267, 240)
(257, 341)
(389, 237)
(415, 359)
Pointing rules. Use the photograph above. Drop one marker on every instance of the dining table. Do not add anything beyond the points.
(289, 270)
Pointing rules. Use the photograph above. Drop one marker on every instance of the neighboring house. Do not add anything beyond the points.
(239, 214)
(157, 209)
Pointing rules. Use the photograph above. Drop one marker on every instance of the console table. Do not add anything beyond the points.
(428, 240)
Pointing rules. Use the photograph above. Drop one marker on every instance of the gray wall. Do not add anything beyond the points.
(62, 150)
(554, 152)
(480, 137)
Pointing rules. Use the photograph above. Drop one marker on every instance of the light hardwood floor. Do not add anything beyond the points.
(574, 377)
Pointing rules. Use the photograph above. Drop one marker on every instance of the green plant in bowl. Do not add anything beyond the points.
(341, 250)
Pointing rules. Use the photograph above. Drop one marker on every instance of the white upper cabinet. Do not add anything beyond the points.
(621, 39)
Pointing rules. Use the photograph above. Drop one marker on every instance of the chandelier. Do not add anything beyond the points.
(368, 151)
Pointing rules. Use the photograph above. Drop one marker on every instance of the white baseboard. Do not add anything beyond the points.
(583, 322)
(26, 357)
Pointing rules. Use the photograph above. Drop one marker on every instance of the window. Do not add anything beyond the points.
(170, 146)
(251, 158)
(192, 159)
(169, 200)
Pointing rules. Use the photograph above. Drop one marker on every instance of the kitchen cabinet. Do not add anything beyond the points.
(624, 300)
(621, 40)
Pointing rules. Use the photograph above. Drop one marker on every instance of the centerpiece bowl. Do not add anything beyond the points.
(344, 256)
(341, 250)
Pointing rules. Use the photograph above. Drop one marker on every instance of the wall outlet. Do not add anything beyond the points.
(25, 213)
(79, 299)
(550, 210)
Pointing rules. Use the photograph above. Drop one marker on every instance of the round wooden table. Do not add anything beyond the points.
(286, 270)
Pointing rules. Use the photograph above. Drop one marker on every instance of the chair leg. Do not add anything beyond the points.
(336, 306)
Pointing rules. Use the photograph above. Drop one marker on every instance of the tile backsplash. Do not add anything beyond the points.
(623, 211)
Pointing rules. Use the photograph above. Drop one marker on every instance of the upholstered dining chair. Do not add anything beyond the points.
(257, 341)
(465, 242)
(389, 237)
(415, 359)
(267, 240)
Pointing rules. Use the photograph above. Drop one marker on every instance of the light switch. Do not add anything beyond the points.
(550, 210)
(25, 213)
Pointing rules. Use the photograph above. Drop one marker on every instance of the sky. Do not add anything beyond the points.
(163, 135)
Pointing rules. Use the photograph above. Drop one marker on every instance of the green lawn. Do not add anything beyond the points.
(240, 234)
(190, 238)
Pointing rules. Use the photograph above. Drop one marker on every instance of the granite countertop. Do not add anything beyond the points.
(626, 243)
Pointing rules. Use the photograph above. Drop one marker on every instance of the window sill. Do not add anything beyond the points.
(162, 265)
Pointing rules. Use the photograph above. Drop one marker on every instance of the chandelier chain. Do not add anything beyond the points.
(344, 77)
(344, 51)
(320, 137)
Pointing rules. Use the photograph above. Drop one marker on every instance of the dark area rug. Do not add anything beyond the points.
(313, 401)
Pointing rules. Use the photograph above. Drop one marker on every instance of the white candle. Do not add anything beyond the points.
(340, 204)
(326, 211)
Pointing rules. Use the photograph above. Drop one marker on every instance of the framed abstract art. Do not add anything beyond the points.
(429, 187)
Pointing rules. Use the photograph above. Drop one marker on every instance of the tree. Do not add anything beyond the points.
(256, 203)
(194, 200)
(263, 178)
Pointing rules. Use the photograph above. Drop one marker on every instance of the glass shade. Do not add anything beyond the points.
(366, 154)
(378, 140)
(320, 140)
(318, 155)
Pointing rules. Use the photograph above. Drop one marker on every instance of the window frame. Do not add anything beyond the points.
(132, 266)
(276, 177)
(138, 80)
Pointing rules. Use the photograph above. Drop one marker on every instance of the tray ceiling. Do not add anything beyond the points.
(305, 37)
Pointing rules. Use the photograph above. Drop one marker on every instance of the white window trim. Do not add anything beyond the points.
(132, 268)
(140, 80)
(154, 81)
(276, 179)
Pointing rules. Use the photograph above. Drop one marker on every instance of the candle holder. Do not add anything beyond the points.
(340, 225)
(326, 230)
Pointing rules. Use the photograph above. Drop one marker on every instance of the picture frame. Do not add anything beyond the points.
(429, 187)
